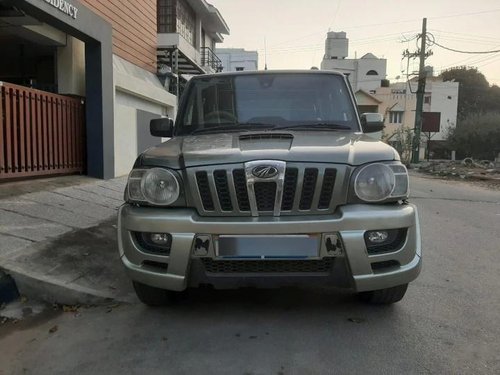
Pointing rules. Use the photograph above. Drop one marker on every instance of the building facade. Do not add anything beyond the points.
(398, 102)
(188, 32)
(237, 59)
(366, 73)
(79, 86)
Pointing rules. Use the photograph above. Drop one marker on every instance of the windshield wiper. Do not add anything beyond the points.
(243, 127)
(316, 125)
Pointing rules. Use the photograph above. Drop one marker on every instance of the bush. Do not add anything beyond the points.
(401, 140)
(476, 136)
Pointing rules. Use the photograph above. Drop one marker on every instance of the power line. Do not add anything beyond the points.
(433, 42)
(468, 35)
(433, 18)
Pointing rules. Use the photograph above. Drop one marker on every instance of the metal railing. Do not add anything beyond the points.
(40, 133)
(209, 58)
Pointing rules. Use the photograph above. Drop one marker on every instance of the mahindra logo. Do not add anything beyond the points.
(265, 171)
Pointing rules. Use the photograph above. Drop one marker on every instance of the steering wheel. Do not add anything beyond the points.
(219, 116)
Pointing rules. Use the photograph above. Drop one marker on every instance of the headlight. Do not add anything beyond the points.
(156, 186)
(378, 182)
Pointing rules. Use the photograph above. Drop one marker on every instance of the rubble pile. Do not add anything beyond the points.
(465, 169)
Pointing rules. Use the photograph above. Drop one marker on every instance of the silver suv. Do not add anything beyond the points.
(268, 180)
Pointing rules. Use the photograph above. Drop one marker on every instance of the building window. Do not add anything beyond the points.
(167, 16)
(372, 73)
(427, 99)
(186, 21)
(240, 68)
(176, 16)
(396, 117)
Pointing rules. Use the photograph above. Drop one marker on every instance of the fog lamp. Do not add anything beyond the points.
(377, 236)
(161, 239)
(384, 240)
(156, 243)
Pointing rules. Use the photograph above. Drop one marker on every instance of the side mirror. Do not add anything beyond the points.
(372, 122)
(162, 127)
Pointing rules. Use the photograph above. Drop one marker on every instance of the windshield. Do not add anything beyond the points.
(244, 102)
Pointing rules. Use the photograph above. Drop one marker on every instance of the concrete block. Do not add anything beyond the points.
(50, 214)
(88, 209)
(117, 184)
(28, 227)
(9, 244)
(102, 191)
(88, 196)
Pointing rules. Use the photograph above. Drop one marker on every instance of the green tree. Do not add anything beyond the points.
(475, 95)
(477, 136)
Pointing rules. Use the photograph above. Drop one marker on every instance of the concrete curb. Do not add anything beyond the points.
(52, 290)
(59, 245)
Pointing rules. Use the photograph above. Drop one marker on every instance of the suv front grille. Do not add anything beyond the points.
(308, 188)
(265, 195)
(268, 266)
(222, 187)
(289, 188)
(224, 190)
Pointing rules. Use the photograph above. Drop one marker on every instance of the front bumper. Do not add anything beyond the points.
(350, 221)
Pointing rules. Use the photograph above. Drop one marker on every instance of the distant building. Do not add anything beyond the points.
(237, 59)
(365, 73)
(398, 101)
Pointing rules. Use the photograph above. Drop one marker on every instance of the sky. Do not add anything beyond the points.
(293, 32)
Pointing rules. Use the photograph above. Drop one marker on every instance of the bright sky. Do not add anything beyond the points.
(295, 31)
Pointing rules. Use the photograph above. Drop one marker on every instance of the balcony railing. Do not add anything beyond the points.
(209, 58)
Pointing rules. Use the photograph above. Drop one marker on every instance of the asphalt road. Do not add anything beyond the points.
(448, 322)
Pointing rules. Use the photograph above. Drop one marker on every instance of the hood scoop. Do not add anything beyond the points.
(265, 141)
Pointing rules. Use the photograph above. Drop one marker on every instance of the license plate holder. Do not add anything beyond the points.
(300, 246)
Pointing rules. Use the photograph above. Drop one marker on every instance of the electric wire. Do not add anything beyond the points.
(432, 42)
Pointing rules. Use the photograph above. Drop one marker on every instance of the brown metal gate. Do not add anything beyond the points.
(40, 133)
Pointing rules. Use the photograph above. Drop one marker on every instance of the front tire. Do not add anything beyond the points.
(152, 296)
(384, 296)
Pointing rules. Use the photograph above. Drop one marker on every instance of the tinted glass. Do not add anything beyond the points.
(267, 99)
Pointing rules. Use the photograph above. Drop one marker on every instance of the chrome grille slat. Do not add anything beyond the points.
(289, 189)
(327, 188)
(213, 190)
(232, 191)
(317, 188)
(308, 188)
(241, 190)
(229, 190)
(222, 188)
(204, 190)
(298, 190)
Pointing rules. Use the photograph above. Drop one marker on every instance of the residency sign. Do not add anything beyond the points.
(64, 6)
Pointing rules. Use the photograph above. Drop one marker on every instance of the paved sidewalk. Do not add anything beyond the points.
(59, 245)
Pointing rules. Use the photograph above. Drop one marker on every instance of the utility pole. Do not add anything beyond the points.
(420, 94)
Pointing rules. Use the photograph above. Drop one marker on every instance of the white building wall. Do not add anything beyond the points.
(135, 90)
(370, 82)
(399, 97)
(356, 70)
(233, 58)
(336, 45)
(444, 99)
(336, 51)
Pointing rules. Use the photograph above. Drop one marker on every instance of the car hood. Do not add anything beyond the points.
(294, 146)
